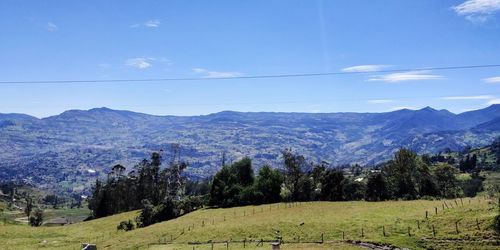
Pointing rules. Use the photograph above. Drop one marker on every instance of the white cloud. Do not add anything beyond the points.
(146, 62)
(51, 27)
(495, 79)
(472, 97)
(493, 101)
(406, 76)
(150, 24)
(365, 68)
(216, 74)
(477, 10)
(139, 62)
(380, 101)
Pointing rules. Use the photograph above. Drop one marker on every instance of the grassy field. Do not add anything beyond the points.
(364, 221)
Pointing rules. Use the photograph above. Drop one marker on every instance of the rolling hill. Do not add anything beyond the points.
(69, 150)
(336, 222)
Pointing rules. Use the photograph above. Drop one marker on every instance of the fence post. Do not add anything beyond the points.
(362, 232)
(433, 231)
(443, 207)
(418, 224)
(343, 235)
(409, 232)
(456, 227)
(436, 210)
(477, 224)
(322, 239)
(383, 230)
(426, 214)
(227, 244)
(244, 242)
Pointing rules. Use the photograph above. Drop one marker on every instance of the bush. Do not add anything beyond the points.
(496, 224)
(126, 225)
(36, 218)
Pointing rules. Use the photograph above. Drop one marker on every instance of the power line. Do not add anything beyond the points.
(254, 76)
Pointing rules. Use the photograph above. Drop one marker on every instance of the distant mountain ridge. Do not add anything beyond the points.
(61, 149)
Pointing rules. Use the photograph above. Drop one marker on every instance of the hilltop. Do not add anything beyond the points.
(69, 150)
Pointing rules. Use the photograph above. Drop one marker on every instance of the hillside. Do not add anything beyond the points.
(69, 150)
(307, 221)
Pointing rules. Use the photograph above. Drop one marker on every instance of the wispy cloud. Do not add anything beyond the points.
(365, 68)
(494, 101)
(51, 27)
(477, 10)
(471, 97)
(149, 24)
(380, 101)
(406, 76)
(139, 62)
(216, 74)
(495, 79)
(146, 62)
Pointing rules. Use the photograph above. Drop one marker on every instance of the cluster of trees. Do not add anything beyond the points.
(236, 185)
(158, 192)
(163, 193)
(35, 214)
(407, 176)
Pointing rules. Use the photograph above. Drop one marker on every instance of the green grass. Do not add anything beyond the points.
(260, 222)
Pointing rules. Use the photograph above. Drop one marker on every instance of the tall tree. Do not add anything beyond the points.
(401, 173)
(269, 184)
(331, 185)
(376, 188)
(293, 171)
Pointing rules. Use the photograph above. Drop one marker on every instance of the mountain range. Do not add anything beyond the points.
(67, 151)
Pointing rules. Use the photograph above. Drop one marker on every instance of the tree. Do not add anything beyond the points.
(233, 185)
(401, 174)
(293, 171)
(244, 171)
(147, 215)
(331, 185)
(29, 206)
(376, 188)
(353, 190)
(36, 218)
(425, 181)
(269, 184)
(446, 180)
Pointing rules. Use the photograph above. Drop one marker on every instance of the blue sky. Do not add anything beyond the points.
(80, 40)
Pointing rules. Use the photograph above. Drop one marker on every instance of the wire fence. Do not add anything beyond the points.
(425, 228)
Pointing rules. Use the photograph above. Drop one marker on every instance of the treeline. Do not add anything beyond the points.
(407, 176)
(163, 192)
(158, 192)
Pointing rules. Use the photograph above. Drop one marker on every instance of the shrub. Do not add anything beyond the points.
(36, 218)
(126, 225)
